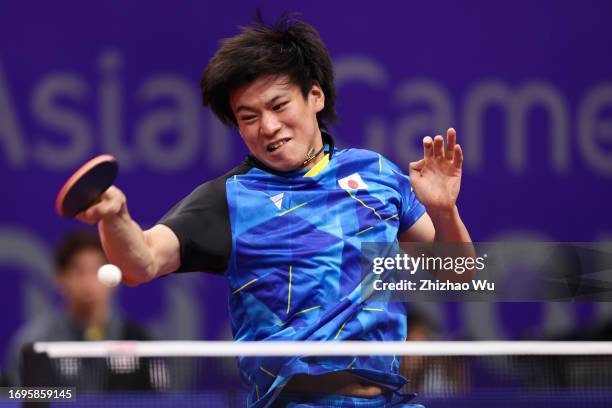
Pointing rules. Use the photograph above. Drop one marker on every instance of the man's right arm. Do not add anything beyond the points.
(141, 255)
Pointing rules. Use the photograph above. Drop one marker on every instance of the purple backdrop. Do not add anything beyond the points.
(527, 85)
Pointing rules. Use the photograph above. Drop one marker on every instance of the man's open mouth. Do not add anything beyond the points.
(273, 146)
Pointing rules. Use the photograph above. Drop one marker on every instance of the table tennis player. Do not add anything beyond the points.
(285, 227)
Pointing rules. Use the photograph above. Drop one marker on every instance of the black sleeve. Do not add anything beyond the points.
(201, 223)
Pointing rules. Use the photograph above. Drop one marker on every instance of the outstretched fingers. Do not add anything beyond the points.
(451, 141)
(458, 159)
(428, 148)
(438, 147)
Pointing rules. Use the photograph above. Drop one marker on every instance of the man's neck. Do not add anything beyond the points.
(313, 157)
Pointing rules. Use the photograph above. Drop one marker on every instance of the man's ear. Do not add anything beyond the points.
(318, 97)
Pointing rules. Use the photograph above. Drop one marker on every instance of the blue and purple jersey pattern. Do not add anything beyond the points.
(295, 269)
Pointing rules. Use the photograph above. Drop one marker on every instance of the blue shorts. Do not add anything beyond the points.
(312, 400)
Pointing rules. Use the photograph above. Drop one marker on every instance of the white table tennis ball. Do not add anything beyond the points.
(109, 275)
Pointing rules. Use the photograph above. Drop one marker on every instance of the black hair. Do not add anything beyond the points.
(73, 243)
(290, 47)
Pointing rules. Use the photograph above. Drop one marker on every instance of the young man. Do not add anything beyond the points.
(286, 226)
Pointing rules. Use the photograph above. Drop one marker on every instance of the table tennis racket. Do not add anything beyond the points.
(86, 185)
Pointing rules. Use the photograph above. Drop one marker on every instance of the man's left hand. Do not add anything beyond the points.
(436, 178)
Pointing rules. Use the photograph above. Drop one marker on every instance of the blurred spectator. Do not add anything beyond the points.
(433, 376)
(87, 315)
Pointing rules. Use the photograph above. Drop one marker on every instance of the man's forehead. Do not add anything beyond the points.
(263, 89)
(86, 255)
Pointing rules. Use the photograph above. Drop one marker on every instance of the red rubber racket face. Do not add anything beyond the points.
(86, 185)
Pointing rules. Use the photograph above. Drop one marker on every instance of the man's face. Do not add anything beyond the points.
(278, 125)
(79, 283)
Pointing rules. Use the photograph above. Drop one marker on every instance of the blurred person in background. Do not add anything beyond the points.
(88, 315)
(432, 376)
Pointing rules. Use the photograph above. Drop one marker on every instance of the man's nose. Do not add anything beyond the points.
(270, 124)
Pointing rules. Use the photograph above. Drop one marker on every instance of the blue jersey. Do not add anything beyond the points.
(294, 260)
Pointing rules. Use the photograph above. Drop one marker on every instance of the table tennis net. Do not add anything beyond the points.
(442, 374)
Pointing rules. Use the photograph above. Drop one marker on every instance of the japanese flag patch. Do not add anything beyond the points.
(353, 183)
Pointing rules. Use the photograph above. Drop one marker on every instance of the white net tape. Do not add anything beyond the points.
(345, 348)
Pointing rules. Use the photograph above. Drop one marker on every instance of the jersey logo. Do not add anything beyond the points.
(278, 200)
(353, 182)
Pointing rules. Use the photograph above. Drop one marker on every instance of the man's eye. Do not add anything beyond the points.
(279, 106)
(247, 118)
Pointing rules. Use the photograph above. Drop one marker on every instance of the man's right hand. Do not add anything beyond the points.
(111, 203)
(141, 255)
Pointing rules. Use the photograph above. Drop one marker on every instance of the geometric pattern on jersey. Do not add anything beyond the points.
(295, 271)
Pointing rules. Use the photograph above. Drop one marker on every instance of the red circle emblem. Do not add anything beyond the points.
(353, 184)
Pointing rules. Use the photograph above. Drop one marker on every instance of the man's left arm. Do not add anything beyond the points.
(436, 181)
